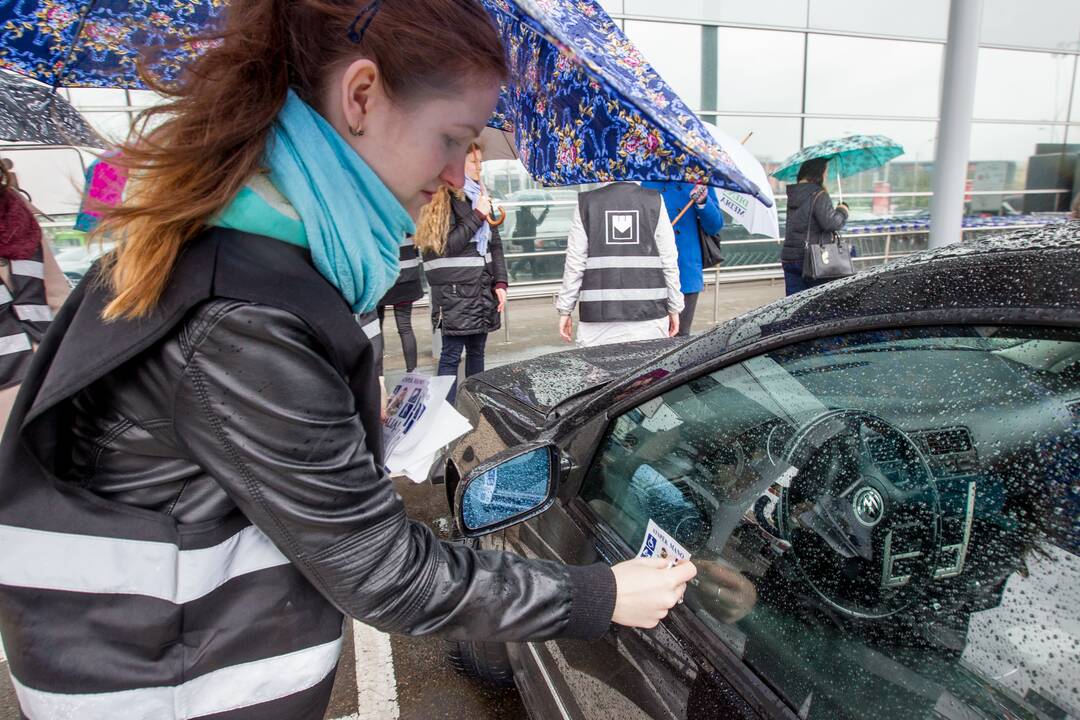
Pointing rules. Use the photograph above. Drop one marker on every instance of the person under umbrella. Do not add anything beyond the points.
(811, 218)
(705, 216)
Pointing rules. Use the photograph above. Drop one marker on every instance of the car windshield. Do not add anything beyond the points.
(896, 512)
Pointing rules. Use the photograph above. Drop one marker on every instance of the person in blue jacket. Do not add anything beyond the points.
(706, 213)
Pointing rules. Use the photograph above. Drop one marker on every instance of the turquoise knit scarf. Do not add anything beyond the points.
(353, 223)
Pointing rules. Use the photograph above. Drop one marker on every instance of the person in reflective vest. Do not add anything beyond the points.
(622, 268)
(407, 290)
(32, 287)
(192, 490)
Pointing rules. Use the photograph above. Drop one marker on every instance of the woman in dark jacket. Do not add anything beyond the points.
(811, 218)
(192, 477)
(464, 265)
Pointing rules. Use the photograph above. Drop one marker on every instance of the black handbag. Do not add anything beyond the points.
(710, 249)
(826, 260)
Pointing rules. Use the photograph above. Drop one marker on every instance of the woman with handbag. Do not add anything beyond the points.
(463, 260)
(811, 220)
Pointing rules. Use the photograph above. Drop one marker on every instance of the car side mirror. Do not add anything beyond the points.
(505, 492)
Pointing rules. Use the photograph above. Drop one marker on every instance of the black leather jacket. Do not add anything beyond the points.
(240, 407)
(463, 299)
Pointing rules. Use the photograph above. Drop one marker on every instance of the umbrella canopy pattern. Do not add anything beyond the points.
(95, 43)
(848, 156)
(584, 106)
(32, 112)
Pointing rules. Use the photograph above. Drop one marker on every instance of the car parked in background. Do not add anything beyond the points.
(879, 480)
(74, 262)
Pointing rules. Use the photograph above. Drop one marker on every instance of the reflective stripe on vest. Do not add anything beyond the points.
(406, 264)
(18, 342)
(255, 682)
(30, 268)
(456, 262)
(623, 294)
(625, 261)
(34, 313)
(371, 328)
(92, 564)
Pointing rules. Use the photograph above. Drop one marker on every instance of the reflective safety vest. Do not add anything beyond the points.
(24, 317)
(408, 287)
(109, 611)
(624, 278)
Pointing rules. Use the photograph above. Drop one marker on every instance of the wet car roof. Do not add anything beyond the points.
(1035, 270)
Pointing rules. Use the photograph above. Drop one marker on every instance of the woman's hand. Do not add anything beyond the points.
(724, 592)
(483, 205)
(646, 588)
(500, 293)
(700, 194)
(566, 327)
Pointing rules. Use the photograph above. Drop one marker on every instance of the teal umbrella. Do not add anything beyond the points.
(847, 156)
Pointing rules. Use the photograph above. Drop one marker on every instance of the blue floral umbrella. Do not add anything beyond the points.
(95, 43)
(847, 156)
(582, 103)
(584, 106)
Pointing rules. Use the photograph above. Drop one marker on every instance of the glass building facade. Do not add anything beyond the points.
(784, 74)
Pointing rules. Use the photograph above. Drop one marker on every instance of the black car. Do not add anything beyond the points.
(878, 479)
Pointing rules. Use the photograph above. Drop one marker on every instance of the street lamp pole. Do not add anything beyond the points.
(954, 127)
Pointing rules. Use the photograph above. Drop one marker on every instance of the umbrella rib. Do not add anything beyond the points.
(58, 77)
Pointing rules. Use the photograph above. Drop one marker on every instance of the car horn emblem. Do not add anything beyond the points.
(869, 506)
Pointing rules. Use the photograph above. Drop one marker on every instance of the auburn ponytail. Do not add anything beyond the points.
(189, 157)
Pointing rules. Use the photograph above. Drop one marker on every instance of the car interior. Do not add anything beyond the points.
(904, 503)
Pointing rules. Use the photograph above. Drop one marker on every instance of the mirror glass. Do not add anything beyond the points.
(512, 488)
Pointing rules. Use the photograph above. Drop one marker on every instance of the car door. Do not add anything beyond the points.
(885, 526)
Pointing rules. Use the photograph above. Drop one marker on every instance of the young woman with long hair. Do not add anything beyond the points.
(465, 268)
(192, 480)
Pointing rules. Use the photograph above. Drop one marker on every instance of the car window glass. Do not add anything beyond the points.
(885, 524)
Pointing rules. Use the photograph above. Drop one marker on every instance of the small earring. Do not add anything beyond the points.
(357, 132)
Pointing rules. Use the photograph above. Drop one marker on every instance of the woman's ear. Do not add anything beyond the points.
(360, 86)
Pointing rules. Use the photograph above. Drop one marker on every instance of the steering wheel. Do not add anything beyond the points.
(861, 512)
